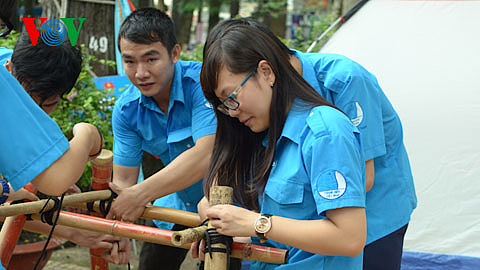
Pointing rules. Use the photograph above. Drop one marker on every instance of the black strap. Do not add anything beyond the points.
(105, 209)
(213, 237)
(46, 218)
(90, 207)
(104, 205)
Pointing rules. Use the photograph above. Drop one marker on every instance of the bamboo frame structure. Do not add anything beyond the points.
(159, 236)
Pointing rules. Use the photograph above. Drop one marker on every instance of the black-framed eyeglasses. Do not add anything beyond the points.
(230, 103)
(6, 26)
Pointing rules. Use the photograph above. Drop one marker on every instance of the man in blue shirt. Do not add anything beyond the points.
(165, 114)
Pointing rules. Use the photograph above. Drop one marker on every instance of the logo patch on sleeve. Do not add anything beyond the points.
(335, 193)
(208, 105)
(359, 118)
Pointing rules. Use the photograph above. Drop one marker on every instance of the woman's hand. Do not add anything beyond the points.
(232, 220)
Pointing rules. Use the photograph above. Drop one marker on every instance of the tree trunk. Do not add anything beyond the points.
(340, 7)
(213, 13)
(234, 8)
(28, 9)
(182, 15)
(145, 3)
(161, 5)
(97, 32)
(276, 17)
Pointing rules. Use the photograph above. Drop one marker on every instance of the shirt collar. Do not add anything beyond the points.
(294, 124)
(308, 72)
(176, 91)
(295, 121)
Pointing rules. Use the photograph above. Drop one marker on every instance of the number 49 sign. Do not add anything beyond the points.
(98, 44)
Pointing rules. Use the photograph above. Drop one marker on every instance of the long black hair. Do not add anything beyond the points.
(239, 160)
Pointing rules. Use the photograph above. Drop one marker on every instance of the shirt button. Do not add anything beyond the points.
(187, 204)
(189, 145)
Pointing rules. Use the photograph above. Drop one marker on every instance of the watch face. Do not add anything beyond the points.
(262, 225)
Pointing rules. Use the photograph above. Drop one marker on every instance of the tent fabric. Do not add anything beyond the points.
(422, 261)
(426, 56)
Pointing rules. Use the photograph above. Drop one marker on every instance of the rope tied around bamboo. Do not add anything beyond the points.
(40, 206)
(218, 246)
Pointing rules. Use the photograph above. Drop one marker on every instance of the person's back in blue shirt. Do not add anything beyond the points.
(392, 199)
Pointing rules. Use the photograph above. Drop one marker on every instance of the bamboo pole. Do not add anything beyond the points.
(68, 200)
(160, 213)
(218, 260)
(189, 235)
(101, 176)
(163, 237)
(11, 229)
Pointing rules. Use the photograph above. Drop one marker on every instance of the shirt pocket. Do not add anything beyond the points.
(285, 198)
(179, 141)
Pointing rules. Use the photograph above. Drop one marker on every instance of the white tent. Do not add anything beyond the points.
(426, 56)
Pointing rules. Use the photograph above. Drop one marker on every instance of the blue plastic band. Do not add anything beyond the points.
(6, 191)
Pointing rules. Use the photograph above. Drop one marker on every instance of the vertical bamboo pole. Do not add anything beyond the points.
(101, 176)
(218, 195)
(11, 230)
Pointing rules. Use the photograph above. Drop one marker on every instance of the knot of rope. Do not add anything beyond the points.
(213, 237)
(104, 205)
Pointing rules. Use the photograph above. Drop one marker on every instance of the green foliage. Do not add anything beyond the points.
(318, 25)
(86, 103)
(10, 41)
(270, 8)
(193, 55)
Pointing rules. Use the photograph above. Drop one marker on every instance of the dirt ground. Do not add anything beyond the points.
(78, 258)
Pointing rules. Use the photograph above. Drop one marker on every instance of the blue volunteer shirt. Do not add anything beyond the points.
(30, 140)
(318, 166)
(5, 54)
(139, 125)
(355, 91)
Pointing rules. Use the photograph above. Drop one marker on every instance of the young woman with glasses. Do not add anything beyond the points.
(293, 159)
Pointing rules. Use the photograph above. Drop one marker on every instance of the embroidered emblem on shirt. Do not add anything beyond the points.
(335, 193)
(357, 120)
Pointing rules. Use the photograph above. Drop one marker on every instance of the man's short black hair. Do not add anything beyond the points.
(46, 71)
(148, 25)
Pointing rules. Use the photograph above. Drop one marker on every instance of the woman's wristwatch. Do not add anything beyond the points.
(263, 224)
(5, 191)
